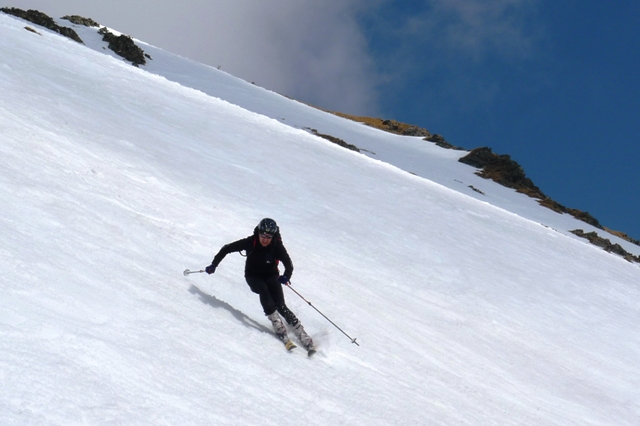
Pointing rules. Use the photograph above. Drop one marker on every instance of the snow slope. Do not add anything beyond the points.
(469, 310)
(411, 154)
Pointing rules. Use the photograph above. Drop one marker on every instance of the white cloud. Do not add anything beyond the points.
(315, 50)
(311, 50)
(476, 28)
(457, 54)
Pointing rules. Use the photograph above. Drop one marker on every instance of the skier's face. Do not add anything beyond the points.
(265, 239)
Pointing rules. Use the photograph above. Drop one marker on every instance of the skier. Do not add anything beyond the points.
(264, 250)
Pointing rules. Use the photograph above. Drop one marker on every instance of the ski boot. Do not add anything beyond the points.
(280, 330)
(304, 338)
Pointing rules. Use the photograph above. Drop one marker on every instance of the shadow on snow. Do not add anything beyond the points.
(217, 303)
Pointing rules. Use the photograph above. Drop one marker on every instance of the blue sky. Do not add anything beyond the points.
(554, 84)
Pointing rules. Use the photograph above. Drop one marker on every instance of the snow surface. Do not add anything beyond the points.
(469, 309)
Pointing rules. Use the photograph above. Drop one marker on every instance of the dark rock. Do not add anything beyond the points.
(336, 140)
(503, 170)
(403, 129)
(607, 245)
(124, 46)
(391, 126)
(585, 217)
(79, 20)
(32, 30)
(479, 157)
(415, 131)
(43, 20)
(500, 168)
(623, 236)
(441, 142)
(476, 189)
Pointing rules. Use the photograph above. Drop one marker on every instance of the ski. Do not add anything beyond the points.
(290, 346)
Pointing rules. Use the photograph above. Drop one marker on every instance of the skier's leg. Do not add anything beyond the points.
(259, 287)
(275, 288)
(302, 335)
(278, 326)
(277, 295)
(289, 316)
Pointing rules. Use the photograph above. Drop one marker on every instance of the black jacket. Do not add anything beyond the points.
(261, 261)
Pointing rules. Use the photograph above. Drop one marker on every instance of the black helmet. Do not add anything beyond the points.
(267, 226)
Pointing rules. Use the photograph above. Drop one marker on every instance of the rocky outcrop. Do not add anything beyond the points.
(607, 245)
(43, 20)
(391, 126)
(335, 140)
(403, 129)
(503, 170)
(399, 128)
(441, 142)
(124, 46)
(623, 236)
(79, 20)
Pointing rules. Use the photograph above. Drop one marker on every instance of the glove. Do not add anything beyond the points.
(210, 269)
(283, 279)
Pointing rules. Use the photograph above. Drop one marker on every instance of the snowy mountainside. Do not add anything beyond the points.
(114, 180)
(411, 154)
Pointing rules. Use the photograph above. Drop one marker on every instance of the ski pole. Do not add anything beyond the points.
(187, 272)
(353, 340)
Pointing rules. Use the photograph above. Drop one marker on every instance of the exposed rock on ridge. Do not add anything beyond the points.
(441, 142)
(607, 245)
(499, 168)
(79, 20)
(122, 45)
(43, 20)
(503, 170)
(335, 140)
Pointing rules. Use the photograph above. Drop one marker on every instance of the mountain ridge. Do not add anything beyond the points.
(499, 168)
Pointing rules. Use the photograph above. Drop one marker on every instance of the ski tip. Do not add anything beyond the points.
(311, 352)
(290, 346)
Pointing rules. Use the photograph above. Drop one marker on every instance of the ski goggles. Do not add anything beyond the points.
(266, 236)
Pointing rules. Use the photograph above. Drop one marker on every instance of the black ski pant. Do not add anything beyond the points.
(271, 296)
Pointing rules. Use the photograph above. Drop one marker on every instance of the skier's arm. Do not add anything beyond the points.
(283, 256)
(231, 248)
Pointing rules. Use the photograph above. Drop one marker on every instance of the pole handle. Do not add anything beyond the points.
(187, 272)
